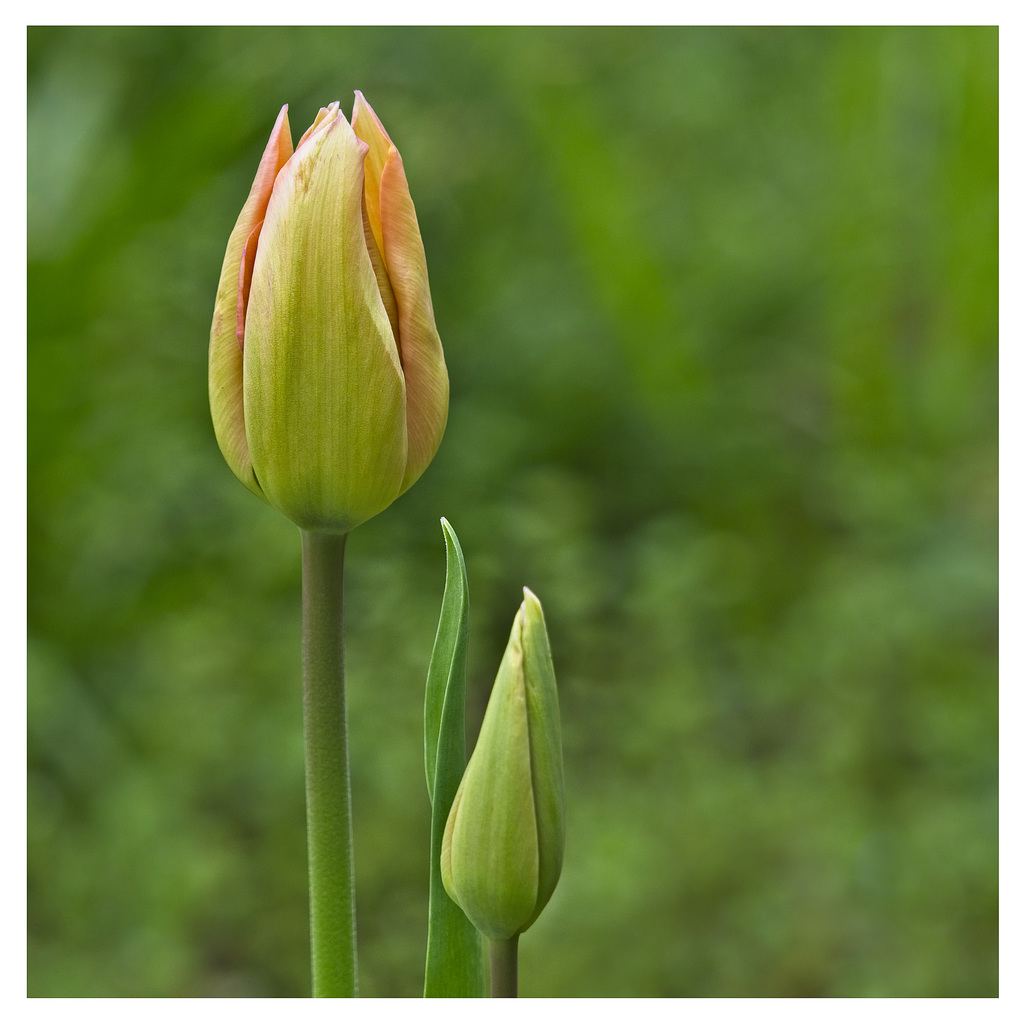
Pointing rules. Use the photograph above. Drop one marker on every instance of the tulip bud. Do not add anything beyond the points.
(328, 386)
(503, 844)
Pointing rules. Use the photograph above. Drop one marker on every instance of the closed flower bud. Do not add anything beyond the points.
(328, 386)
(503, 844)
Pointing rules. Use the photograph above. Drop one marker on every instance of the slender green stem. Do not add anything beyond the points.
(505, 967)
(332, 908)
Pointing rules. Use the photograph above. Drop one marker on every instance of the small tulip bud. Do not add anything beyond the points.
(328, 386)
(503, 844)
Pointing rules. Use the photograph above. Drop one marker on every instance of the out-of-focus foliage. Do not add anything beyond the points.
(719, 309)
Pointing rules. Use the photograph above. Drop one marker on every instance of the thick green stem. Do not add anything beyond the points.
(505, 967)
(332, 907)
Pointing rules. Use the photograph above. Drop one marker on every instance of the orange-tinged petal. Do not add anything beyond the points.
(245, 282)
(367, 126)
(392, 218)
(381, 273)
(426, 376)
(226, 404)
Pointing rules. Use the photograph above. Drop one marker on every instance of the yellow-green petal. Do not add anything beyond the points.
(323, 387)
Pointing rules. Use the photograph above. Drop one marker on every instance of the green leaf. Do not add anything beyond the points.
(455, 962)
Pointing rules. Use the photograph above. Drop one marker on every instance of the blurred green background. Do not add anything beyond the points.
(720, 314)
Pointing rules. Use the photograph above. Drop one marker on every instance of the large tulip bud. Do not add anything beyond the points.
(328, 385)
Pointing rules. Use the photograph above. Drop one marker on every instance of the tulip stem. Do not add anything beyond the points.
(328, 798)
(504, 967)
